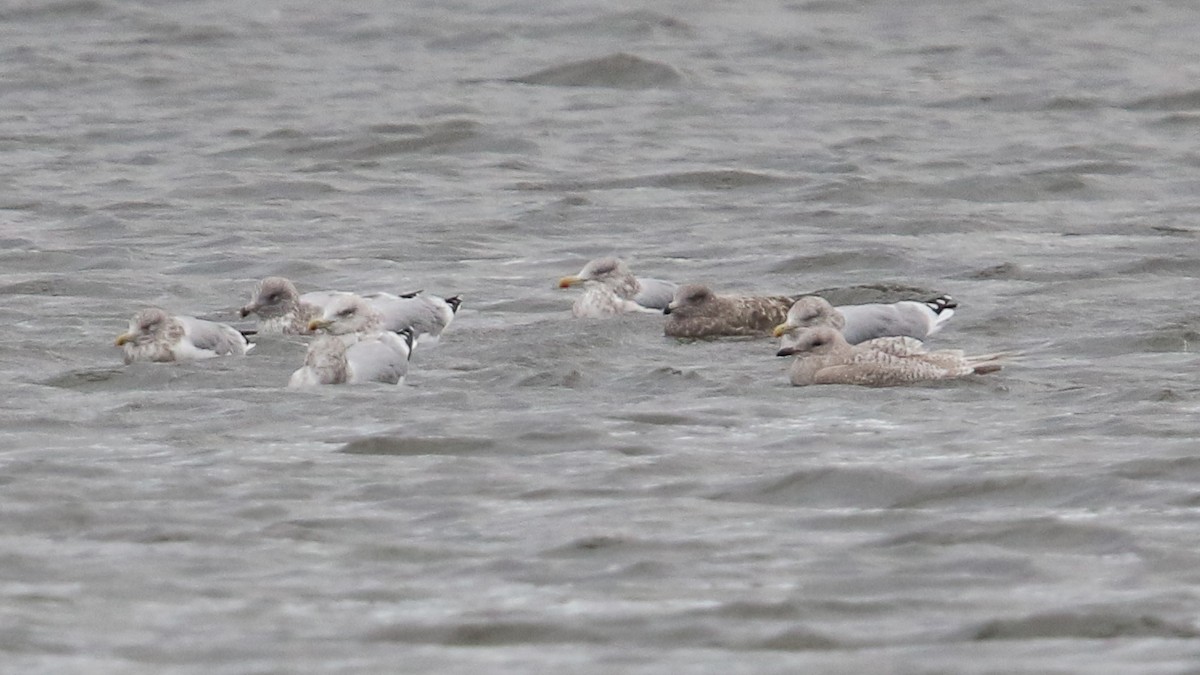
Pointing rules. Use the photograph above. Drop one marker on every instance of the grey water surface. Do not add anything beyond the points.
(549, 494)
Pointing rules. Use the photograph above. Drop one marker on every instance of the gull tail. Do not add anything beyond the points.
(409, 339)
(942, 304)
(984, 364)
(943, 308)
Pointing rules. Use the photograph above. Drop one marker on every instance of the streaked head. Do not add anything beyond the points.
(600, 269)
(145, 326)
(346, 314)
(810, 311)
(818, 340)
(689, 298)
(273, 297)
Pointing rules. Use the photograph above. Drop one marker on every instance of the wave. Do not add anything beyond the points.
(620, 71)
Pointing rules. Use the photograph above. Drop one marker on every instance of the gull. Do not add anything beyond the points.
(609, 288)
(859, 323)
(282, 309)
(155, 335)
(425, 315)
(823, 356)
(355, 359)
(697, 312)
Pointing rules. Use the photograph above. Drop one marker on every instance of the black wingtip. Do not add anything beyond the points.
(412, 294)
(941, 303)
(454, 301)
(409, 339)
(248, 333)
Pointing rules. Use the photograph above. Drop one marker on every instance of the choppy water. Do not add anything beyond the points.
(588, 496)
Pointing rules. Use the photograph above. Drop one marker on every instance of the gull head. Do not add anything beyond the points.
(689, 299)
(810, 311)
(608, 271)
(273, 297)
(819, 340)
(145, 327)
(347, 314)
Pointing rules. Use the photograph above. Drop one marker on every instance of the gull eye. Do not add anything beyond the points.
(349, 311)
(274, 297)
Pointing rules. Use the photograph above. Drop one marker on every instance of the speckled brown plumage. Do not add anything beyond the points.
(824, 357)
(697, 312)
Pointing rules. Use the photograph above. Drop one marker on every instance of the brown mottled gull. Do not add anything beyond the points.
(609, 288)
(426, 315)
(859, 323)
(281, 308)
(697, 312)
(824, 357)
(155, 335)
(355, 359)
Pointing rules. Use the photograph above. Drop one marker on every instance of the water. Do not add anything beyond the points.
(588, 496)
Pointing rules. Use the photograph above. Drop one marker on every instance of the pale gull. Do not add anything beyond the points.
(697, 312)
(859, 323)
(609, 288)
(824, 357)
(426, 315)
(155, 335)
(355, 359)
